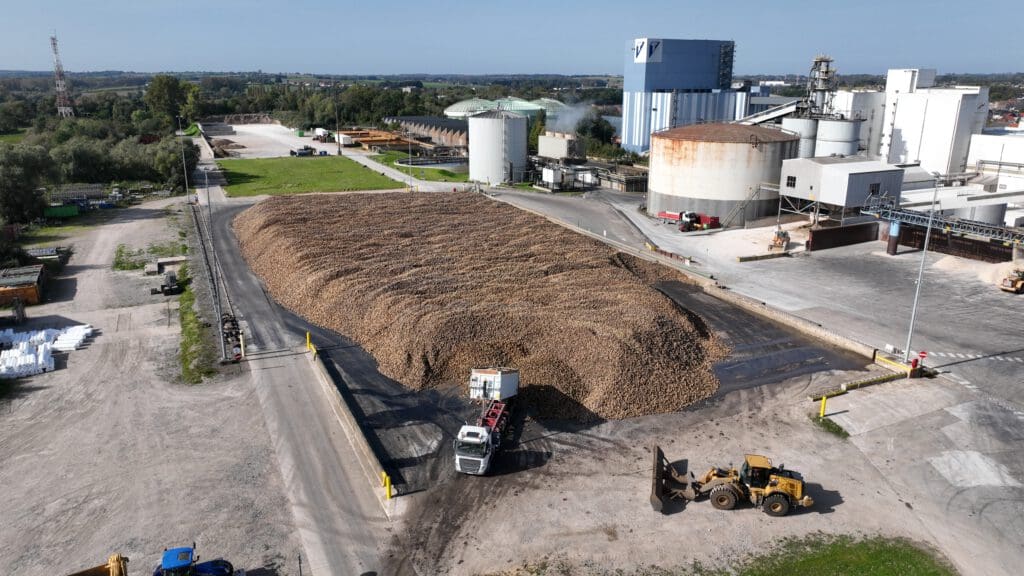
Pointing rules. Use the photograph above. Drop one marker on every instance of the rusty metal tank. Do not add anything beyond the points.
(717, 168)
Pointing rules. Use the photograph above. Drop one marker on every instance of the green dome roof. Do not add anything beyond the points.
(518, 105)
(469, 107)
(550, 105)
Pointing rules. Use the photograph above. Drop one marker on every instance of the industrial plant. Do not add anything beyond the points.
(454, 311)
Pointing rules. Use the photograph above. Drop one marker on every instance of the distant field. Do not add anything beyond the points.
(13, 138)
(421, 172)
(279, 176)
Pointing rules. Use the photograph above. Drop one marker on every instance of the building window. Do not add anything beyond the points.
(790, 181)
(874, 189)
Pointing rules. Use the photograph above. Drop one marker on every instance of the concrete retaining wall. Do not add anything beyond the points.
(368, 460)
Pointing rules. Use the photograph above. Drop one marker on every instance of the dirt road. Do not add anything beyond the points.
(110, 454)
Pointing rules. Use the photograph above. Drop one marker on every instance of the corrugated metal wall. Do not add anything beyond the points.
(985, 251)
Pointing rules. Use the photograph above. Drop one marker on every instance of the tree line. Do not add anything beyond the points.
(114, 137)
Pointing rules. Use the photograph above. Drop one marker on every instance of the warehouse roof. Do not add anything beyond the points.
(10, 277)
(454, 124)
(721, 132)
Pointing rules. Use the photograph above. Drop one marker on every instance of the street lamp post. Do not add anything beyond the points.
(920, 277)
(408, 161)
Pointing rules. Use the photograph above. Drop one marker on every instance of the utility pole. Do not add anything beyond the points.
(64, 109)
(920, 276)
(184, 166)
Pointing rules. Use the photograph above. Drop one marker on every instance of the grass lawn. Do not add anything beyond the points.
(422, 172)
(849, 557)
(252, 177)
(13, 138)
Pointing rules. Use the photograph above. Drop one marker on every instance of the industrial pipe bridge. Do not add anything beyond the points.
(885, 209)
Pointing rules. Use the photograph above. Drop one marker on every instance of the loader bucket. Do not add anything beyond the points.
(658, 480)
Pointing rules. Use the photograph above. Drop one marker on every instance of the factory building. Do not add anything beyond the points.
(867, 106)
(930, 126)
(561, 147)
(440, 131)
(718, 169)
(999, 158)
(670, 83)
(844, 184)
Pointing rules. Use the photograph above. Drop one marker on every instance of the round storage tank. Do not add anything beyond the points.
(994, 214)
(715, 168)
(497, 147)
(807, 128)
(837, 138)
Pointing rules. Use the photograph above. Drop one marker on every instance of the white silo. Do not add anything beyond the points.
(837, 137)
(497, 147)
(807, 128)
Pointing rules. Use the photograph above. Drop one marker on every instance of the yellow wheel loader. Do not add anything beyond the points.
(1013, 283)
(776, 490)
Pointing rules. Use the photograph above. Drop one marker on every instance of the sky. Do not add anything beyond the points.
(490, 37)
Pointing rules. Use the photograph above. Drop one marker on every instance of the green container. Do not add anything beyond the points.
(60, 211)
(300, 133)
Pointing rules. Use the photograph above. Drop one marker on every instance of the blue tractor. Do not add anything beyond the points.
(184, 562)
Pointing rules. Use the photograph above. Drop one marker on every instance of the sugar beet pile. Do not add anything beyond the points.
(435, 284)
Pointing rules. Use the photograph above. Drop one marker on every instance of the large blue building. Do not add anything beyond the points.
(670, 83)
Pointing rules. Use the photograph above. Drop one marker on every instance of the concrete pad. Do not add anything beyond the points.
(891, 403)
(968, 469)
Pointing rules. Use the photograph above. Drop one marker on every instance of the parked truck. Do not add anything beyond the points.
(687, 221)
(477, 445)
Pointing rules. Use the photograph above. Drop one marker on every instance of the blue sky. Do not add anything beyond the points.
(484, 36)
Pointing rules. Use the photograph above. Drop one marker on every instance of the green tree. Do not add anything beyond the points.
(595, 127)
(22, 170)
(164, 98)
(83, 159)
(192, 108)
(536, 129)
(166, 156)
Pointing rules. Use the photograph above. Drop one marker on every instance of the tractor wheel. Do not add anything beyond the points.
(776, 505)
(723, 497)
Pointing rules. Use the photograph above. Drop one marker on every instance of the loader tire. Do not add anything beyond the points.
(776, 505)
(723, 497)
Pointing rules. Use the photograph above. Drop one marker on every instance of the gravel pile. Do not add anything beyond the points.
(435, 284)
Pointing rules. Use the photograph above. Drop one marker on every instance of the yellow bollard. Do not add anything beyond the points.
(387, 487)
(307, 340)
(821, 413)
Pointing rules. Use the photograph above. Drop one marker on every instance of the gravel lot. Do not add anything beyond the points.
(110, 454)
